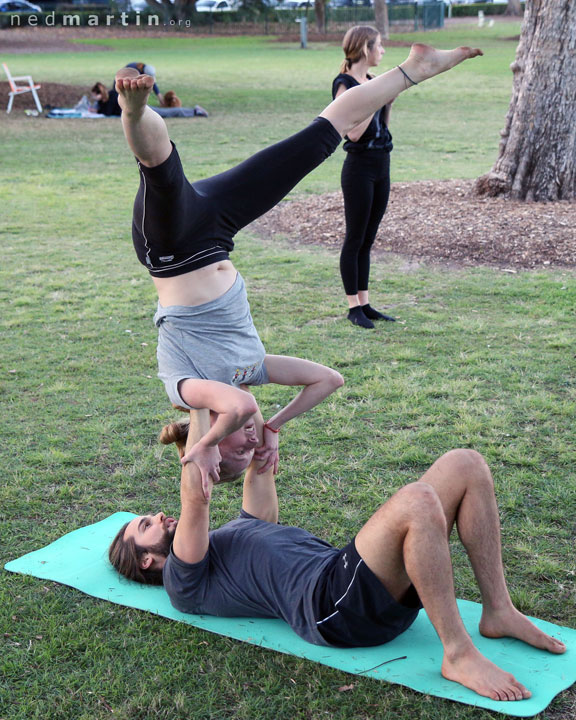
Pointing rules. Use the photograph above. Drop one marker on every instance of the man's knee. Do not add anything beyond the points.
(471, 465)
(419, 503)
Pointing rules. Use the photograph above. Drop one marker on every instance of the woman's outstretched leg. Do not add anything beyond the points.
(424, 62)
(258, 184)
(145, 130)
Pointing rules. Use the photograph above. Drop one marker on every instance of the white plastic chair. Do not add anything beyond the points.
(19, 89)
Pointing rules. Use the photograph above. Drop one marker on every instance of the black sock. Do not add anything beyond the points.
(357, 317)
(369, 311)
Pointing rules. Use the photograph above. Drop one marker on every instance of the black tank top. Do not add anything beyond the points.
(376, 136)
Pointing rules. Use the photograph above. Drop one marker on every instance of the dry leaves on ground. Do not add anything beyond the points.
(442, 221)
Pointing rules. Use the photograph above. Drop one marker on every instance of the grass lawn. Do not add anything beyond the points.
(480, 359)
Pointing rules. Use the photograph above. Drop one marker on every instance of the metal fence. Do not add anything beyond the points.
(406, 16)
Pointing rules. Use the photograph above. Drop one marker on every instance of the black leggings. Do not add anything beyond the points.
(366, 189)
(178, 226)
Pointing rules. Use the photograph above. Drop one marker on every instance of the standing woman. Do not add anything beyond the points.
(365, 174)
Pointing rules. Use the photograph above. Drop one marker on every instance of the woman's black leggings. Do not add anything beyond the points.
(366, 189)
(180, 226)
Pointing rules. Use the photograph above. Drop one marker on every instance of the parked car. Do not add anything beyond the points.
(214, 6)
(352, 3)
(19, 6)
(295, 4)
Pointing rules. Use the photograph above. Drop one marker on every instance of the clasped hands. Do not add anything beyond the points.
(208, 458)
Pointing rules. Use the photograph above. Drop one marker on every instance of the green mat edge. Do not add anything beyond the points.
(372, 658)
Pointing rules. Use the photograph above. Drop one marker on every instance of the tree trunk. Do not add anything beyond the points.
(320, 13)
(513, 8)
(381, 18)
(537, 159)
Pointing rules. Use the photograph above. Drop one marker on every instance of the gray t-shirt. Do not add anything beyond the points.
(253, 568)
(213, 341)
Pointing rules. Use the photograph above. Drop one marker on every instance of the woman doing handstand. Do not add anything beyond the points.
(183, 232)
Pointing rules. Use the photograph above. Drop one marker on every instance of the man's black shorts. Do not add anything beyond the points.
(354, 609)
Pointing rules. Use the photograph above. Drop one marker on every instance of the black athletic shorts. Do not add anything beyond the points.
(354, 609)
(180, 226)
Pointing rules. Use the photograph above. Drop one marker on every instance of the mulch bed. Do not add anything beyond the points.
(50, 94)
(444, 222)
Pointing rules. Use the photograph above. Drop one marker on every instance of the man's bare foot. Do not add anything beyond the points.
(477, 673)
(425, 62)
(511, 623)
(133, 90)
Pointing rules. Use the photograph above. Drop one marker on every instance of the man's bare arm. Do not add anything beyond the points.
(191, 538)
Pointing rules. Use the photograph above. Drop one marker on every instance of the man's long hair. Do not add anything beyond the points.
(125, 556)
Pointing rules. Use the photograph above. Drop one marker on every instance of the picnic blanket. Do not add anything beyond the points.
(60, 113)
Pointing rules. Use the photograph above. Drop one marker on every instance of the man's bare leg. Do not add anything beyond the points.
(406, 541)
(352, 107)
(145, 130)
(465, 488)
(413, 527)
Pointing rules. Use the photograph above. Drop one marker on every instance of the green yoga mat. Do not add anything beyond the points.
(79, 559)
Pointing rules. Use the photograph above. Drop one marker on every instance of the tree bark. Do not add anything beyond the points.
(381, 18)
(513, 8)
(320, 13)
(537, 157)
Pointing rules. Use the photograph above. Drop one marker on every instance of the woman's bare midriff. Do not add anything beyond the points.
(198, 286)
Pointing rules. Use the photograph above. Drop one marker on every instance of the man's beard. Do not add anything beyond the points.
(163, 546)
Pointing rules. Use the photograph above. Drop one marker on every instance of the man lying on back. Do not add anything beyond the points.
(364, 594)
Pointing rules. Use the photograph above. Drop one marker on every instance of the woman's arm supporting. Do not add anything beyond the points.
(233, 406)
(191, 537)
(318, 380)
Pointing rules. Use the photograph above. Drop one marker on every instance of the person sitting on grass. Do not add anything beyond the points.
(363, 594)
(183, 234)
(106, 100)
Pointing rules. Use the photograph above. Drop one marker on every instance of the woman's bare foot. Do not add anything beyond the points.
(133, 90)
(511, 623)
(471, 669)
(145, 130)
(425, 62)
